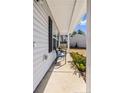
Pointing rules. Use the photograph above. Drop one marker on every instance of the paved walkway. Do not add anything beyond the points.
(62, 78)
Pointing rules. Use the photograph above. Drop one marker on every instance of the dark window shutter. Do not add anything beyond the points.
(50, 34)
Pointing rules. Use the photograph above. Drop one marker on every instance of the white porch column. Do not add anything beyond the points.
(88, 50)
(59, 40)
(68, 41)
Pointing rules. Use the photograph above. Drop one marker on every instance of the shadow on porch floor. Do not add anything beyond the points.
(62, 78)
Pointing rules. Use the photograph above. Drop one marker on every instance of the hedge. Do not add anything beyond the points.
(79, 60)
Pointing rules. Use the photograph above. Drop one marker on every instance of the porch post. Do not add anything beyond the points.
(59, 40)
(68, 41)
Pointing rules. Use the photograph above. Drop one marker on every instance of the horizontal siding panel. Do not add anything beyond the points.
(39, 22)
(39, 53)
(38, 25)
(40, 48)
(41, 11)
(40, 30)
(39, 16)
(40, 37)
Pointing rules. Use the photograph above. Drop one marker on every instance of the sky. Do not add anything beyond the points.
(82, 24)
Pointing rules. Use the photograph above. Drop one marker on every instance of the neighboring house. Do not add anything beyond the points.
(44, 31)
(78, 41)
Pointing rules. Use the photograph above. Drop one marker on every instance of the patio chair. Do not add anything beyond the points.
(61, 54)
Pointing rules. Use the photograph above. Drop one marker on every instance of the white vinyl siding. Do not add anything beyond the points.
(40, 38)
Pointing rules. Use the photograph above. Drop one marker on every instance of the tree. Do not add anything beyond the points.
(80, 32)
(74, 33)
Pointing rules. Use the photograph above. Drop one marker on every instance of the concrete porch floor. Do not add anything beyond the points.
(62, 78)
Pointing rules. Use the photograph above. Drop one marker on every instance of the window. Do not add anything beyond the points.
(50, 34)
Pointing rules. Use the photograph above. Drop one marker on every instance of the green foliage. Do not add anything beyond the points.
(79, 61)
(74, 33)
(80, 32)
(77, 32)
(81, 67)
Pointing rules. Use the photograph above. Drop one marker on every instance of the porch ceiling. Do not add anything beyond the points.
(67, 13)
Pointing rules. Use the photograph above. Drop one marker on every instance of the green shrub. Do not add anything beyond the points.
(79, 60)
(81, 67)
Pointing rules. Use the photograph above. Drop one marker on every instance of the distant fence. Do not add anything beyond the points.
(78, 41)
